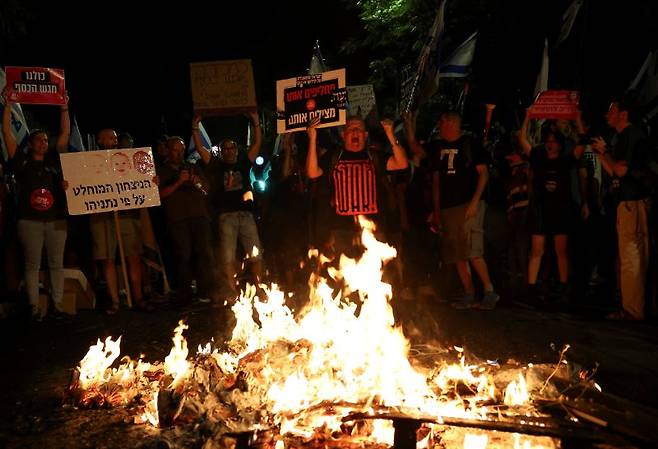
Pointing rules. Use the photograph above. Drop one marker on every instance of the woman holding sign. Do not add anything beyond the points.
(41, 203)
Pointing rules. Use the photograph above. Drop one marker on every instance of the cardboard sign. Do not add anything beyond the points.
(36, 85)
(361, 100)
(223, 87)
(555, 104)
(299, 100)
(107, 180)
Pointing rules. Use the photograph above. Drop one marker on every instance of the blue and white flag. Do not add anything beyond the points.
(75, 141)
(646, 80)
(18, 123)
(459, 63)
(568, 19)
(192, 153)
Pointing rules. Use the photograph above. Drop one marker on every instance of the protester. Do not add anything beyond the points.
(625, 161)
(460, 174)
(184, 190)
(105, 244)
(233, 199)
(41, 204)
(551, 203)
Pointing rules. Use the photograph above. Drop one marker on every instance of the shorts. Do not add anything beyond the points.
(462, 239)
(105, 245)
(549, 221)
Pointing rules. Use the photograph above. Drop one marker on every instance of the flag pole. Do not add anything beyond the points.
(122, 256)
(487, 121)
(583, 35)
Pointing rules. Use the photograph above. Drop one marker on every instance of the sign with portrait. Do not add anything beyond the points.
(107, 180)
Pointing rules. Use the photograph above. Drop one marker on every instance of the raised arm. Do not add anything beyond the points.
(254, 149)
(416, 148)
(523, 136)
(7, 134)
(196, 135)
(313, 170)
(62, 144)
(399, 159)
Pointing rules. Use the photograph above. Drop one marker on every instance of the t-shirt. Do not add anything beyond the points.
(40, 192)
(631, 146)
(187, 201)
(551, 178)
(456, 164)
(352, 183)
(231, 185)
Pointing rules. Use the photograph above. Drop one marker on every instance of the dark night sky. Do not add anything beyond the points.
(126, 67)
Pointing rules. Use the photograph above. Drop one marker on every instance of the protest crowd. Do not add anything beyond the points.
(546, 215)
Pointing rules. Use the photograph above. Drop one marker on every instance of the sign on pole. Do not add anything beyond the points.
(109, 180)
(300, 100)
(555, 104)
(36, 85)
(223, 87)
(361, 100)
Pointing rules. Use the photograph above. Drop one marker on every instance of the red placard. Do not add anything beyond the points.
(555, 104)
(35, 85)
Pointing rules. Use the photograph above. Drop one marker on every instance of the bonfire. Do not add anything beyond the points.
(338, 373)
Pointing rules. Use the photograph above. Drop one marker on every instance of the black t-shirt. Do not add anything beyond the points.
(39, 183)
(456, 164)
(551, 178)
(352, 183)
(230, 185)
(632, 147)
(187, 201)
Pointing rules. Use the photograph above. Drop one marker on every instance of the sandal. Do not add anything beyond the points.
(114, 308)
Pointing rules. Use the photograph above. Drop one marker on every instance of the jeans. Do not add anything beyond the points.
(238, 225)
(32, 234)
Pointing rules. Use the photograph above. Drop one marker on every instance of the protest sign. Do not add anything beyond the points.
(361, 100)
(36, 85)
(223, 87)
(108, 180)
(300, 100)
(555, 104)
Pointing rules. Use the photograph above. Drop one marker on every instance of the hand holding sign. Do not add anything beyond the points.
(36, 85)
(311, 130)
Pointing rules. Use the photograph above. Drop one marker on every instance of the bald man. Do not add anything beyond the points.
(105, 245)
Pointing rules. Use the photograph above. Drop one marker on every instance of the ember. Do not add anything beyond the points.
(338, 374)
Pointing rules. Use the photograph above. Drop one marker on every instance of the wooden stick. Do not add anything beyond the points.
(122, 256)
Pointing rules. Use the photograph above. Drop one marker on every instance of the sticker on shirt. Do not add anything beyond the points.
(551, 186)
(41, 200)
(355, 187)
(450, 153)
(232, 181)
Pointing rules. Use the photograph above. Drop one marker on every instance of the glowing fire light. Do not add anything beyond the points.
(342, 353)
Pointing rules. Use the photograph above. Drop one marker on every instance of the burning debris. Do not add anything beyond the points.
(339, 374)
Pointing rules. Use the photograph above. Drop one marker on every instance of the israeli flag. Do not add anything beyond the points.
(458, 64)
(18, 123)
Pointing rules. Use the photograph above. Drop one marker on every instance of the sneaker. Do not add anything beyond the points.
(489, 300)
(467, 302)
